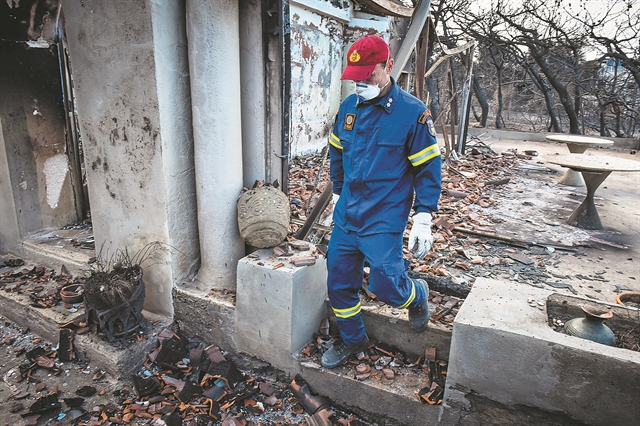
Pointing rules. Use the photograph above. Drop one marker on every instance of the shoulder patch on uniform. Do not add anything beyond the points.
(423, 118)
(349, 120)
(432, 128)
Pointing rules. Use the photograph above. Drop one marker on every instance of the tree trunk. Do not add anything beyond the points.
(565, 97)
(603, 121)
(455, 113)
(537, 79)
(482, 100)
(499, 120)
(434, 104)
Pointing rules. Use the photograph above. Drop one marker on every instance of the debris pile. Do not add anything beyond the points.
(39, 383)
(308, 176)
(295, 252)
(185, 382)
(44, 286)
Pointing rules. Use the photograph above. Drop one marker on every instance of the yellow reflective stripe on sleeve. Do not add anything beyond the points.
(424, 155)
(335, 141)
(411, 298)
(348, 312)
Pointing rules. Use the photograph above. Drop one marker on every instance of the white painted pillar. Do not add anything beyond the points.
(176, 131)
(214, 66)
(254, 138)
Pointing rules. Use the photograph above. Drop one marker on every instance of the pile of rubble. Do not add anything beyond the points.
(42, 285)
(183, 382)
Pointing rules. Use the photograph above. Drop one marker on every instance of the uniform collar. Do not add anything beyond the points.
(387, 101)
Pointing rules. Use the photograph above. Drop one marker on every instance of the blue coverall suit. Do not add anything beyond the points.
(381, 153)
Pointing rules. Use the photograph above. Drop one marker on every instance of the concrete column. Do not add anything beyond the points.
(139, 194)
(214, 64)
(254, 138)
(176, 132)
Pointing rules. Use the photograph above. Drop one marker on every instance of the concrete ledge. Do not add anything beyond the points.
(205, 315)
(76, 263)
(385, 402)
(383, 325)
(503, 349)
(118, 362)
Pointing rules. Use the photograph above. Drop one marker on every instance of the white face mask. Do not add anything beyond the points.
(366, 92)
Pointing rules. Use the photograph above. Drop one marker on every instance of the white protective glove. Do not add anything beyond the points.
(420, 238)
(334, 200)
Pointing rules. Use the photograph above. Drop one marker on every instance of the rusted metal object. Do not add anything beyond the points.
(118, 321)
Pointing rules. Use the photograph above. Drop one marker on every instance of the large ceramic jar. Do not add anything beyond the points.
(263, 216)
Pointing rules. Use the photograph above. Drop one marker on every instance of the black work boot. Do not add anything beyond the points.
(339, 352)
(419, 315)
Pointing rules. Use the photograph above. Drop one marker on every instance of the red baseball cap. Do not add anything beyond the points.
(363, 56)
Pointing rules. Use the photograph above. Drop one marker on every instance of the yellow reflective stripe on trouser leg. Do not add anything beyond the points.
(348, 312)
(411, 298)
(424, 155)
(335, 141)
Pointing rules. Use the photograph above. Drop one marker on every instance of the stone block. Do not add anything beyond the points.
(278, 308)
(502, 348)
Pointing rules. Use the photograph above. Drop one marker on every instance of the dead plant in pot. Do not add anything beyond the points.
(114, 292)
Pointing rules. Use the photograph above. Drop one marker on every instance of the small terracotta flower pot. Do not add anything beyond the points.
(629, 298)
(72, 293)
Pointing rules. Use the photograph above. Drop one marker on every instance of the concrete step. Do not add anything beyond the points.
(385, 402)
(119, 362)
(391, 326)
(53, 251)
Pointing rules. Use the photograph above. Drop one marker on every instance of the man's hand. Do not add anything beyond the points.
(334, 200)
(420, 238)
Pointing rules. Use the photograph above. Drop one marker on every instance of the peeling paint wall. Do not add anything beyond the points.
(316, 65)
(321, 34)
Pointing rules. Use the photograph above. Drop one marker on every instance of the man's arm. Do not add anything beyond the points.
(335, 153)
(425, 159)
(424, 156)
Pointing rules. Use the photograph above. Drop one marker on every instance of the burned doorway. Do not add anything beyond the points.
(41, 167)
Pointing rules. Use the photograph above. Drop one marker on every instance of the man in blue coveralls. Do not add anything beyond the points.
(383, 151)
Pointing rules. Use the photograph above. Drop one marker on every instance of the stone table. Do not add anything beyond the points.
(594, 170)
(577, 145)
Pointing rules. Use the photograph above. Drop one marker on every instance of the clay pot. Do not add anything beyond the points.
(629, 298)
(72, 293)
(263, 216)
(591, 327)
